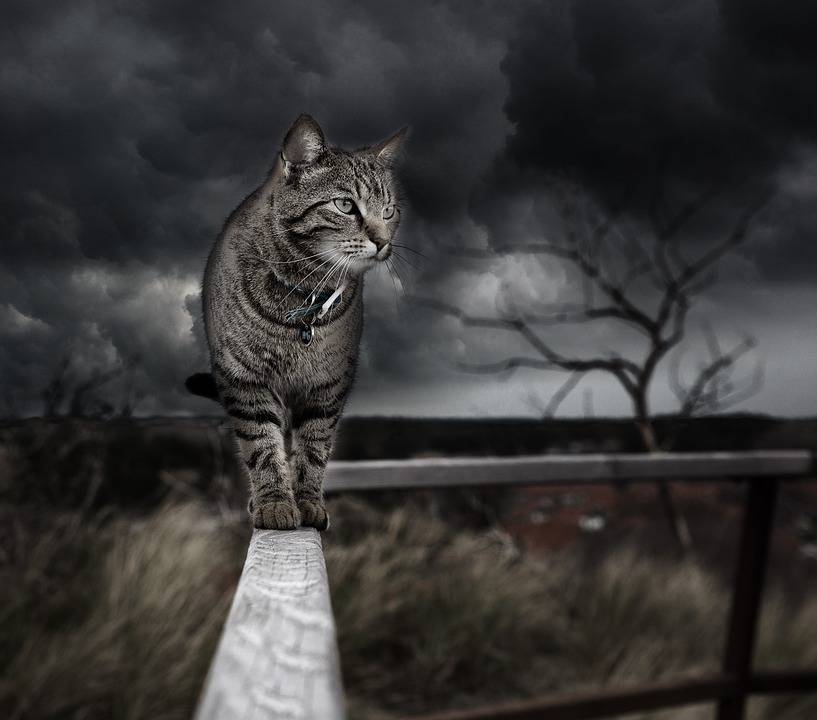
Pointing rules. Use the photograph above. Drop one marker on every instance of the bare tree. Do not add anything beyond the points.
(57, 389)
(86, 401)
(645, 282)
(75, 393)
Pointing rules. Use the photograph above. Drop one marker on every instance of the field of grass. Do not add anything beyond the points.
(117, 617)
(430, 617)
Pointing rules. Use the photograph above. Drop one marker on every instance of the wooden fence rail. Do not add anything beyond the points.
(564, 469)
(277, 659)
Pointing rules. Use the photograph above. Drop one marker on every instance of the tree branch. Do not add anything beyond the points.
(623, 369)
(713, 389)
(558, 397)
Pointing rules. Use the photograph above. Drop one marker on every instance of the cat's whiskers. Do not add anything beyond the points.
(307, 257)
(391, 276)
(326, 277)
(399, 257)
(397, 272)
(297, 285)
(323, 281)
(410, 249)
(267, 261)
(344, 273)
(387, 265)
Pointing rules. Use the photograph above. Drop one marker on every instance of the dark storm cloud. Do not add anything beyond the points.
(617, 95)
(129, 130)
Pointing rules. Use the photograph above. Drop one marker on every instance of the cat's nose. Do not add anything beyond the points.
(379, 241)
(377, 232)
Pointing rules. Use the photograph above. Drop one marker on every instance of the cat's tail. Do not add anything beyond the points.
(203, 384)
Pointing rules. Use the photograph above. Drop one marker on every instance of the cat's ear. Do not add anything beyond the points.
(391, 149)
(303, 143)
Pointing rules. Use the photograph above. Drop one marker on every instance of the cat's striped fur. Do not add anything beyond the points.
(296, 234)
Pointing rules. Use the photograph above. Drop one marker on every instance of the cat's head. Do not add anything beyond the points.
(337, 207)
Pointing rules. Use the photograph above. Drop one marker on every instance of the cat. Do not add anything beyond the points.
(283, 312)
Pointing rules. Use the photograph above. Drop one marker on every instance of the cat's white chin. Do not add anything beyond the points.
(366, 263)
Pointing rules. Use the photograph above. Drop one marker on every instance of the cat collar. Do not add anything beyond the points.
(319, 305)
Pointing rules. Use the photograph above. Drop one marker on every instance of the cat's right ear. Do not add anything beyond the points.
(391, 149)
(303, 143)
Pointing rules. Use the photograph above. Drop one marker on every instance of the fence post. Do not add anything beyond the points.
(755, 536)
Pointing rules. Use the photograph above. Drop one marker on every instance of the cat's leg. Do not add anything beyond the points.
(313, 435)
(258, 420)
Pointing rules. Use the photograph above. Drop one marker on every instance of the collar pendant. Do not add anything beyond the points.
(305, 334)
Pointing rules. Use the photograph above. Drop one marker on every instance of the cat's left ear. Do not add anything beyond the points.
(303, 143)
(391, 150)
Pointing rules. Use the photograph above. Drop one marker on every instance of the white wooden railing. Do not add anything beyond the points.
(278, 655)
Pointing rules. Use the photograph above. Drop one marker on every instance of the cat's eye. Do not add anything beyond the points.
(345, 205)
(389, 212)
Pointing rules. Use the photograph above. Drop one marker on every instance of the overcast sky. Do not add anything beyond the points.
(128, 131)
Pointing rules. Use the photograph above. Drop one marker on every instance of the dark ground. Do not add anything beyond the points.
(128, 462)
(133, 464)
(89, 541)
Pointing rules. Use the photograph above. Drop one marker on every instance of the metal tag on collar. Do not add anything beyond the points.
(306, 333)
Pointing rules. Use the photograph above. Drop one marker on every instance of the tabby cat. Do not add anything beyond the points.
(283, 312)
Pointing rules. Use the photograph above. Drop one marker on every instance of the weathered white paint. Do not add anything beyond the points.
(277, 658)
(563, 469)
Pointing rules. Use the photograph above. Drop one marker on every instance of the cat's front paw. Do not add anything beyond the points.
(313, 514)
(279, 515)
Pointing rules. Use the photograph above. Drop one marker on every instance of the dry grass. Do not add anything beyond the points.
(119, 619)
(116, 620)
(432, 618)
